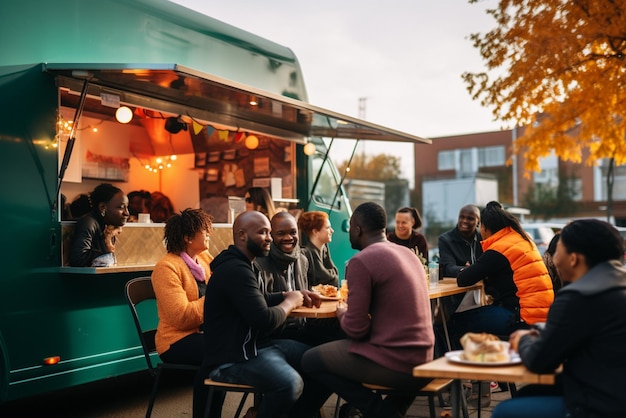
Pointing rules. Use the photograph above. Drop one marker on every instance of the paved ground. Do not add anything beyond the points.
(127, 397)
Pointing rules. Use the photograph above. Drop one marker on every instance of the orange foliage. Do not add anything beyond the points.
(558, 67)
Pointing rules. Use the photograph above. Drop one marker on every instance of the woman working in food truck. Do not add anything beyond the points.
(93, 243)
(257, 198)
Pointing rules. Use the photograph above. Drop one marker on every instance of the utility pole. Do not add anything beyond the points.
(362, 109)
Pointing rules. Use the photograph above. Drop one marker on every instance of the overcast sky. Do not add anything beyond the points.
(405, 57)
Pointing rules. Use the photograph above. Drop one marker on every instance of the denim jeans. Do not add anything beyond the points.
(531, 406)
(275, 372)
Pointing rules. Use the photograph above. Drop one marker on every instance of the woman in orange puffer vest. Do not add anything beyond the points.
(515, 278)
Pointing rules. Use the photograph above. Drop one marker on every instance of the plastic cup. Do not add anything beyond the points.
(433, 272)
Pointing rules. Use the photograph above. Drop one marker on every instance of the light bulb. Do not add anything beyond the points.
(252, 142)
(309, 149)
(123, 114)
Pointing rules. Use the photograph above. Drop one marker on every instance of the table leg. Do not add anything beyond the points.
(457, 400)
(456, 394)
(445, 324)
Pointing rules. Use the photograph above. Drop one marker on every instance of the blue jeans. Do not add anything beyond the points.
(531, 406)
(275, 372)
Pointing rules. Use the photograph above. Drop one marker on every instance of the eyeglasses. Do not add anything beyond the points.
(248, 200)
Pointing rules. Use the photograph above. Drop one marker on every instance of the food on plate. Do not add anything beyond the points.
(484, 348)
(327, 290)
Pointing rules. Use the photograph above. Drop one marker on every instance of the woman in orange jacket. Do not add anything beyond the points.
(516, 280)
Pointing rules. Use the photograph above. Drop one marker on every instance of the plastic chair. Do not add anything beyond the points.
(139, 290)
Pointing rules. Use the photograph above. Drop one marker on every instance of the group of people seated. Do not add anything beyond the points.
(249, 337)
(554, 310)
(231, 315)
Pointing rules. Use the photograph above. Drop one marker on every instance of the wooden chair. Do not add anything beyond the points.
(434, 388)
(140, 290)
(226, 387)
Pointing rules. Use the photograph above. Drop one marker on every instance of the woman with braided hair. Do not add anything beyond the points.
(93, 243)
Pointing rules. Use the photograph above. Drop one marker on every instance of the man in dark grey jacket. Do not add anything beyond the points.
(458, 248)
(585, 331)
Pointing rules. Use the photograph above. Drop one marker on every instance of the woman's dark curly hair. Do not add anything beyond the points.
(183, 226)
(495, 218)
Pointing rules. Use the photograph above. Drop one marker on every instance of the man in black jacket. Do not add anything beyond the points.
(239, 316)
(458, 248)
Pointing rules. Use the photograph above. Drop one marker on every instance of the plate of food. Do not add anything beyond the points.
(483, 349)
(326, 292)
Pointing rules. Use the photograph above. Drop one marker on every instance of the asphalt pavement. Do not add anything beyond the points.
(127, 397)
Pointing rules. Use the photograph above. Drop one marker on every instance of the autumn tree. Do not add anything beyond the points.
(557, 67)
(379, 167)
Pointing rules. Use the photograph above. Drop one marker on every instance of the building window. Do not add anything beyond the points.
(619, 186)
(445, 160)
(491, 156)
(549, 174)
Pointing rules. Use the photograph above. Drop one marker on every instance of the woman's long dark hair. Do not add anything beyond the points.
(495, 218)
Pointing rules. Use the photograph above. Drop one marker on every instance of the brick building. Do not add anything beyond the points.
(487, 153)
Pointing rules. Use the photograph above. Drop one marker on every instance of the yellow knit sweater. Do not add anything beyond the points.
(181, 311)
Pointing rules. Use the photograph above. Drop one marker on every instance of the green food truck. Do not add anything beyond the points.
(146, 95)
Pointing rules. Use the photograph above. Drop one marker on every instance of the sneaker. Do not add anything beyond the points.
(494, 387)
(485, 395)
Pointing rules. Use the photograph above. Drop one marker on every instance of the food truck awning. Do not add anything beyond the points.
(180, 90)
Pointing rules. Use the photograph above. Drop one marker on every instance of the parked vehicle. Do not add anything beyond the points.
(542, 233)
(226, 109)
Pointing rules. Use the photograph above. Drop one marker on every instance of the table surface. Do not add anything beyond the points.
(517, 373)
(448, 287)
(328, 309)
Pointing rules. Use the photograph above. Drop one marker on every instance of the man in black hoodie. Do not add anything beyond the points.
(239, 316)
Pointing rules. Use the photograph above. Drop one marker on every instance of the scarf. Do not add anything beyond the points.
(197, 271)
(282, 259)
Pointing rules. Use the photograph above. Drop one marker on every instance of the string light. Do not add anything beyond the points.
(309, 149)
(252, 142)
(123, 114)
(160, 163)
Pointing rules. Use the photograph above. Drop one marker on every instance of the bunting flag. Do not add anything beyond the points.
(239, 136)
(223, 135)
(197, 127)
(209, 131)
(139, 112)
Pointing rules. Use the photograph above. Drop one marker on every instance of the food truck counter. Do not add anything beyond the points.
(139, 247)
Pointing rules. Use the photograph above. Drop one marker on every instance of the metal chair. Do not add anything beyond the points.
(139, 290)
(432, 389)
(227, 387)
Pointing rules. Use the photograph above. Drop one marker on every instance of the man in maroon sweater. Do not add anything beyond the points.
(388, 322)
